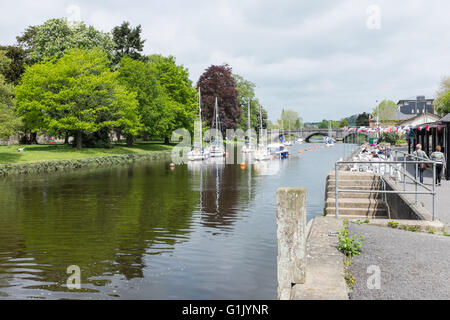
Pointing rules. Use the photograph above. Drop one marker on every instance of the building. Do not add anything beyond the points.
(416, 106)
(418, 119)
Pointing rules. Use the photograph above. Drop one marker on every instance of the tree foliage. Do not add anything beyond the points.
(442, 101)
(127, 42)
(386, 111)
(218, 81)
(362, 120)
(140, 77)
(246, 94)
(290, 119)
(15, 67)
(9, 122)
(55, 36)
(77, 92)
(181, 106)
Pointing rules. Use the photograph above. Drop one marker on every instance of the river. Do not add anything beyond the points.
(146, 231)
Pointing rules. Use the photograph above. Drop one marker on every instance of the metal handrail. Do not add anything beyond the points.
(429, 191)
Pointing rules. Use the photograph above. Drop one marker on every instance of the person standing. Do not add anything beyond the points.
(422, 166)
(439, 157)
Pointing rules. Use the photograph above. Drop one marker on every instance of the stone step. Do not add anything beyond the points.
(367, 213)
(341, 187)
(356, 203)
(353, 182)
(354, 175)
(350, 195)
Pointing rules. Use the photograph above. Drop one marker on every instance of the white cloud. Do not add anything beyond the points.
(317, 58)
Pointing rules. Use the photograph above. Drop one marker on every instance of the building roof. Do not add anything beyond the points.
(414, 116)
(400, 116)
(446, 118)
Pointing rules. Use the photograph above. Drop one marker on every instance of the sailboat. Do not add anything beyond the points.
(328, 139)
(198, 153)
(289, 142)
(262, 153)
(216, 148)
(248, 148)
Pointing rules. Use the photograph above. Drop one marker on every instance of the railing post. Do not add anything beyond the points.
(291, 234)
(415, 180)
(434, 186)
(404, 173)
(336, 188)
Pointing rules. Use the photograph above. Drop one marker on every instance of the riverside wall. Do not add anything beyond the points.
(74, 164)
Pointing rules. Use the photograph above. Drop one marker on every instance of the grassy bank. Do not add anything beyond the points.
(49, 152)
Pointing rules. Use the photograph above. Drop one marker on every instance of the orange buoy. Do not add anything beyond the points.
(299, 151)
(310, 148)
(242, 165)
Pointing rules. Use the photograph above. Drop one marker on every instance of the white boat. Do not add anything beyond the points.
(278, 150)
(198, 153)
(328, 139)
(299, 141)
(216, 148)
(248, 147)
(261, 154)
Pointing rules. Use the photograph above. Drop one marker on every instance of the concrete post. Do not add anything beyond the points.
(291, 234)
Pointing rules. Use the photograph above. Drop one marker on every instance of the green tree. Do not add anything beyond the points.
(289, 118)
(9, 122)
(77, 92)
(442, 102)
(15, 67)
(362, 120)
(324, 124)
(55, 36)
(140, 77)
(246, 94)
(127, 42)
(181, 107)
(343, 123)
(386, 112)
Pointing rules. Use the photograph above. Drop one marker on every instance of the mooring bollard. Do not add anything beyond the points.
(291, 234)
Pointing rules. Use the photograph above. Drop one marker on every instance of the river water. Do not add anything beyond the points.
(144, 231)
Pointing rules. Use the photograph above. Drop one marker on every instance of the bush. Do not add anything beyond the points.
(400, 141)
(390, 137)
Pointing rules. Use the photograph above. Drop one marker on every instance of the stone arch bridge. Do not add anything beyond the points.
(306, 134)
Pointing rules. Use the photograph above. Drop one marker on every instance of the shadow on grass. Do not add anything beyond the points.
(9, 157)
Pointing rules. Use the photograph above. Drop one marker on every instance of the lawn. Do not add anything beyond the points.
(44, 152)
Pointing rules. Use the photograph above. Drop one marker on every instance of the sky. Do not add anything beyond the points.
(325, 59)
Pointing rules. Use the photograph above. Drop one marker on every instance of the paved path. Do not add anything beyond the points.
(413, 265)
(442, 200)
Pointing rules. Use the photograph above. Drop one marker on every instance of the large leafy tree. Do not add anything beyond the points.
(54, 36)
(9, 122)
(127, 42)
(289, 118)
(77, 92)
(18, 58)
(181, 105)
(442, 101)
(139, 77)
(362, 120)
(246, 94)
(218, 81)
(385, 111)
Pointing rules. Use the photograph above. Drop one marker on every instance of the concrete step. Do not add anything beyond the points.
(356, 203)
(353, 182)
(349, 195)
(351, 212)
(332, 188)
(354, 175)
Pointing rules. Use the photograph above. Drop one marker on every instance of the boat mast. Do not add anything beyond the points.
(248, 127)
(216, 110)
(200, 115)
(260, 124)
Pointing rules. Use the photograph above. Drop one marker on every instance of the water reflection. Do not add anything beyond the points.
(204, 230)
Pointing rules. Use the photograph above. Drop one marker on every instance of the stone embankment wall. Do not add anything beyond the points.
(73, 164)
